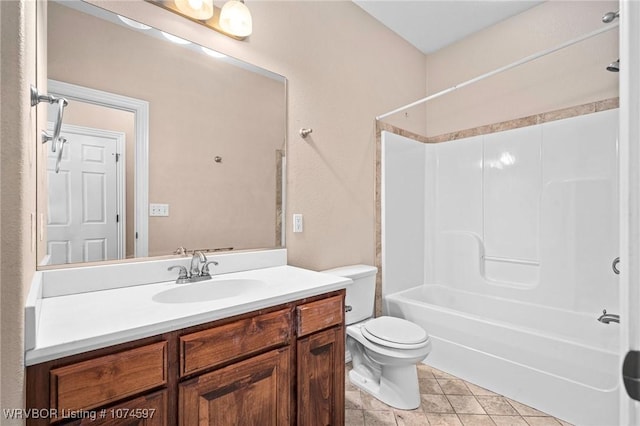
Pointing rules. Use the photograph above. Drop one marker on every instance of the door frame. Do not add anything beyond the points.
(629, 158)
(140, 109)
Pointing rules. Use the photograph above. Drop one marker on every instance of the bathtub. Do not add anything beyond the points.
(561, 362)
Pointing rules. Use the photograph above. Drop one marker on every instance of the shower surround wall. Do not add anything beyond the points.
(501, 246)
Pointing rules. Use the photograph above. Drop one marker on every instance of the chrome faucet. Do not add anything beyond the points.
(197, 260)
(607, 318)
(198, 271)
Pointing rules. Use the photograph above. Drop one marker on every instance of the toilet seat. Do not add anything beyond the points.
(395, 333)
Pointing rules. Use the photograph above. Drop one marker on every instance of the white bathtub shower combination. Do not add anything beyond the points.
(501, 246)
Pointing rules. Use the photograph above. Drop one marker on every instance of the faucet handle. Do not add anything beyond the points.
(205, 267)
(183, 275)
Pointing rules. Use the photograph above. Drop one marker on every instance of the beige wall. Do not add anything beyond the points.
(17, 191)
(573, 76)
(199, 108)
(343, 69)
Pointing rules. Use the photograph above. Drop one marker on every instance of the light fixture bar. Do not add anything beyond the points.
(212, 22)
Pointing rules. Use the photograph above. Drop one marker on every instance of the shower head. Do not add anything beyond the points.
(614, 66)
(610, 16)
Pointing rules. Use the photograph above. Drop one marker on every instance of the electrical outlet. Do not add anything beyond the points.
(158, 209)
(297, 222)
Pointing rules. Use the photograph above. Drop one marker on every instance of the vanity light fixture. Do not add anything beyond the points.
(233, 19)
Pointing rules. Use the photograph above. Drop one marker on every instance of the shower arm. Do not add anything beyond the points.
(501, 69)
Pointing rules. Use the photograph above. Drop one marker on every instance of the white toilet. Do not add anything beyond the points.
(384, 350)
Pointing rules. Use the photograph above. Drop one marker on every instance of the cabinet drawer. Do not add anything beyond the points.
(106, 379)
(208, 348)
(147, 410)
(319, 315)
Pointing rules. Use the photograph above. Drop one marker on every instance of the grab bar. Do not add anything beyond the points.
(57, 142)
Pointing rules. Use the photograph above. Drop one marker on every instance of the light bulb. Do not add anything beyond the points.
(235, 18)
(197, 9)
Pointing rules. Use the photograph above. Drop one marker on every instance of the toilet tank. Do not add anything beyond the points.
(361, 295)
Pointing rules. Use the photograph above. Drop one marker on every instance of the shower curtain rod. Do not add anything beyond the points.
(501, 69)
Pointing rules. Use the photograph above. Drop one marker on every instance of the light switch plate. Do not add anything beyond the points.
(158, 209)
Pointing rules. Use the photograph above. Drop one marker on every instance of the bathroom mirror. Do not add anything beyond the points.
(169, 144)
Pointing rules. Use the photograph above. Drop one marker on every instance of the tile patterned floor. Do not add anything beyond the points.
(446, 401)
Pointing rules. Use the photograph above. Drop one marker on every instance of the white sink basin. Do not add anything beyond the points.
(208, 290)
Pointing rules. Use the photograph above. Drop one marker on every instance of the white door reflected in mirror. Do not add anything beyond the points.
(85, 212)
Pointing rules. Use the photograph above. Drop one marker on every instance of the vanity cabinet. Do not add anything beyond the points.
(281, 365)
(320, 363)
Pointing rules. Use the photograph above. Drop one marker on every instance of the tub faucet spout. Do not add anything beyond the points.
(608, 318)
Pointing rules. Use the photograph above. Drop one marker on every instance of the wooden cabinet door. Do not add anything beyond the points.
(321, 378)
(252, 392)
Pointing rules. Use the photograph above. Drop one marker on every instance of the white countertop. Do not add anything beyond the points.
(75, 323)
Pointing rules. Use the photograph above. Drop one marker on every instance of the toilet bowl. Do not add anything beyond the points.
(384, 350)
(385, 368)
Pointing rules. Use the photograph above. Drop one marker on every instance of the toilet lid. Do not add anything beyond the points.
(395, 330)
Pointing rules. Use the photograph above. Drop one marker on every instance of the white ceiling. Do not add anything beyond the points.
(432, 24)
